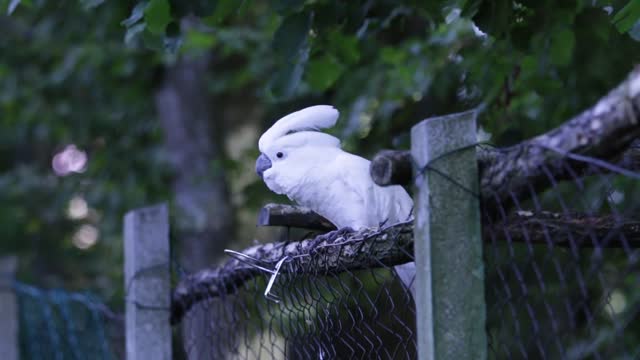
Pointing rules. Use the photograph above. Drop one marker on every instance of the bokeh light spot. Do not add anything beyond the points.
(69, 160)
(78, 208)
(85, 237)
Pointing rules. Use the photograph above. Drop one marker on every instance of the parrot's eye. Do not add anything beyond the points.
(279, 155)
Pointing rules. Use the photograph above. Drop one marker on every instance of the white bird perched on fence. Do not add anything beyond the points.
(311, 169)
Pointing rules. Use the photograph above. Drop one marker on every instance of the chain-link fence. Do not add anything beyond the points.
(562, 266)
(562, 281)
(560, 228)
(306, 298)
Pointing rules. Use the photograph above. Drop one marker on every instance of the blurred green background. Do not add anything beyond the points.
(106, 106)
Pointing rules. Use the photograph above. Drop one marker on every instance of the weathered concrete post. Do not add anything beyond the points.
(147, 281)
(450, 304)
(9, 344)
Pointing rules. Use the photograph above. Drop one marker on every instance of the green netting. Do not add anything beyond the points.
(60, 325)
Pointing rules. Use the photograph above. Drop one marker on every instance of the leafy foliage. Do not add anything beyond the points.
(525, 62)
(73, 82)
(84, 73)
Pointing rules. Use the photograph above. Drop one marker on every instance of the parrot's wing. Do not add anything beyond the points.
(373, 205)
(378, 205)
(354, 190)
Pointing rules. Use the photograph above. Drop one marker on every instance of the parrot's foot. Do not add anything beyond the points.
(334, 235)
(342, 231)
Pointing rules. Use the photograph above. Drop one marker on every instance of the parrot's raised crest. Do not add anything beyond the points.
(311, 118)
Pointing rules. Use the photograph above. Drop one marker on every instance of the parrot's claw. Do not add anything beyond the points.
(332, 236)
(342, 231)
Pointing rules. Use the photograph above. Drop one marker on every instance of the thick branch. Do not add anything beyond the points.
(391, 167)
(337, 251)
(384, 165)
(293, 216)
(567, 229)
(605, 131)
(185, 113)
(330, 253)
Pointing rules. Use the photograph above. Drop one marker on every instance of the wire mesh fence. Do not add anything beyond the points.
(560, 277)
(562, 265)
(547, 268)
(561, 280)
(56, 324)
(303, 299)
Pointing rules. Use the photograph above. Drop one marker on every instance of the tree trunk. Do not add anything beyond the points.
(204, 216)
(204, 220)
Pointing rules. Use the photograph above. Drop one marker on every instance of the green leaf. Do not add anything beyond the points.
(292, 35)
(133, 34)
(494, 17)
(562, 45)
(431, 7)
(323, 72)
(136, 15)
(198, 41)
(626, 18)
(635, 31)
(392, 55)
(470, 8)
(199, 8)
(224, 8)
(286, 81)
(287, 6)
(91, 4)
(153, 41)
(13, 4)
(157, 15)
(345, 47)
(529, 64)
(173, 38)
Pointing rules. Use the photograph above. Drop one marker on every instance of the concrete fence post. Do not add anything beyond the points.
(9, 336)
(450, 303)
(147, 281)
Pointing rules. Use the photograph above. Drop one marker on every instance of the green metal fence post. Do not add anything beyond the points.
(450, 304)
(147, 281)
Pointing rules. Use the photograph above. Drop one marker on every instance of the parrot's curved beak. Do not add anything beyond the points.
(262, 164)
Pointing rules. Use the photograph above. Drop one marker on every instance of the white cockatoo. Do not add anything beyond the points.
(310, 168)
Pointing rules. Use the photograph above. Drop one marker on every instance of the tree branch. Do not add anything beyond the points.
(385, 165)
(606, 131)
(329, 253)
(293, 216)
(390, 167)
(559, 229)
(337, 251)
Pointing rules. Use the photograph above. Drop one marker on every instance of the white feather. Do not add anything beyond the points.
(311, 118)
(305, 138)
(342, 191)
